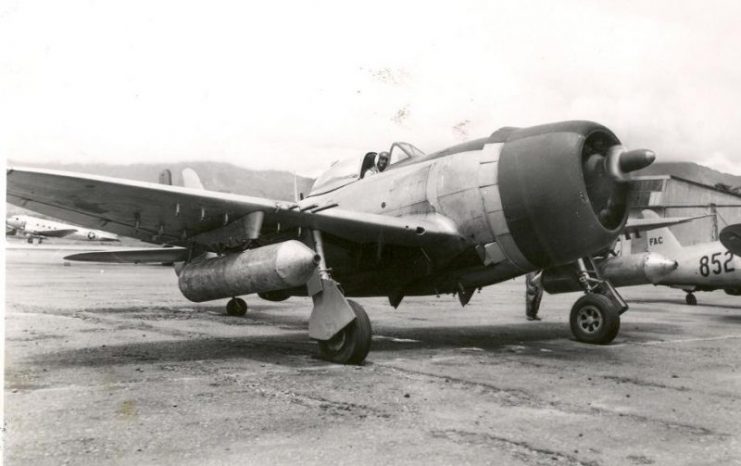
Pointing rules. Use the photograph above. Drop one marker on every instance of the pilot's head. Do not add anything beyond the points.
(383, 161)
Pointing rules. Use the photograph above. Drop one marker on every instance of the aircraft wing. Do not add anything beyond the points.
(132, 256)
(56, 233)
(171, 214)
(634, 226)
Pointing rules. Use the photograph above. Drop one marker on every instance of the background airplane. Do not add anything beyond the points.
(452, 221)
(39, 229)
(702, 267)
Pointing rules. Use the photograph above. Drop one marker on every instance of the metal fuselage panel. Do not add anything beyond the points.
(708, 266)
(462, 187)
(521, 199)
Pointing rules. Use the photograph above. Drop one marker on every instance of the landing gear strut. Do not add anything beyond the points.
(595, 317)
(340, 326)
(236, 307)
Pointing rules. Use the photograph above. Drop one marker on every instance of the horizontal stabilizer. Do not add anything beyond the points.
(635, 226)
(133, 256)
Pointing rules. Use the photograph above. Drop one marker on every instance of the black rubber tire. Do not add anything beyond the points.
(352, 344)
(595, 319)
(236, 307)
(690, 299)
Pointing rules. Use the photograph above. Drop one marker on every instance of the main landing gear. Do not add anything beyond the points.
(595, 317)
(690, 298)
(340, 326)
(352, 343)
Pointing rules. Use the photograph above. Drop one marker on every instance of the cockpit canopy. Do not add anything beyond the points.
(350, 170)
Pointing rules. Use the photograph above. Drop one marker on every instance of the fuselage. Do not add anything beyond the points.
(520, 200)
(705, 266)
(462, 187)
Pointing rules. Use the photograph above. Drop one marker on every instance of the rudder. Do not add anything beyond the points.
(661, 240)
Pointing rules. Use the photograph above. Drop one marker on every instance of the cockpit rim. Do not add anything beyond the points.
(344, 172)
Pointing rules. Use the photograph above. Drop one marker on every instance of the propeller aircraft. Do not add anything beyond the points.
(453, 221)
(39, 229)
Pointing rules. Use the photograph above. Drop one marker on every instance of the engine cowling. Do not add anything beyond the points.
(563, 190)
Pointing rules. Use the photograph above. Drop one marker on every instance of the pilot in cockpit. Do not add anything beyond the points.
(381, 164)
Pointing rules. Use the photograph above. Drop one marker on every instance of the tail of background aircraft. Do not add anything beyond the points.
(661, 240)
(166, 177)
(190, 178)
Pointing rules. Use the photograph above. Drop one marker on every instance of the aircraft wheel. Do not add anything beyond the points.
(352, 344)
(690, 299)
(595, 319)
(236, 307)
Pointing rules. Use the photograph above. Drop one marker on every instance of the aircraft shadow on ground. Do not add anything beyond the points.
(293, 349)
(735, 319)
(681, 302)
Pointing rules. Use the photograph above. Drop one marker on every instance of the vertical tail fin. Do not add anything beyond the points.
(166, 177)
(191, 179)
(661, 240)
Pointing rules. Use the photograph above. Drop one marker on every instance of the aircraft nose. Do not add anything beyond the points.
(620, 161)
(657, 267)
(636, 159)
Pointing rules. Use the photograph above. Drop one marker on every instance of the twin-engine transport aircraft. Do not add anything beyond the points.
(39, 229)
(452, 221)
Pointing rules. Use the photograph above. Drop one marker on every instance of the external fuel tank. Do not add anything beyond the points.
(269, 268)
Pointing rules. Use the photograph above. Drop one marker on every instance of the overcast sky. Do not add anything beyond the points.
(296, 85)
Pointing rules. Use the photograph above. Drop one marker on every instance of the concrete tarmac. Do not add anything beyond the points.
(109, 364)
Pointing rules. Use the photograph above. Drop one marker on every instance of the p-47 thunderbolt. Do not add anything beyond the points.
(452, 221)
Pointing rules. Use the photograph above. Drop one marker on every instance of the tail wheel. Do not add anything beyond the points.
(595, 319)
(352, 343)
(236, 307)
